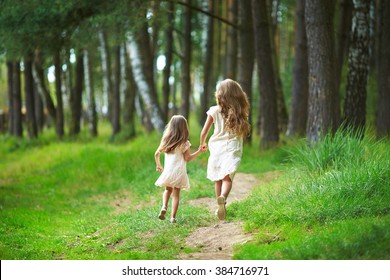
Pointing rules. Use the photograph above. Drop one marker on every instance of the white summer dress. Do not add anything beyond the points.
(225, 149)
(174, 174)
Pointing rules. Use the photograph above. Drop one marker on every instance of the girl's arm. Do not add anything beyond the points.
(189, 157)
(159, 167)
(205, 132)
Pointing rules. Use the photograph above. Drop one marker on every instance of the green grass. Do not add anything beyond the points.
(333, 202)
(89, 199)
(95, 199)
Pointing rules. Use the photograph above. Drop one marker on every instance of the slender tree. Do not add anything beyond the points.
(269, 132)
(168, 58)
(208, 64)
(232, 39)
(318, 20)
(383, 105)
(10, 97)
(358, 59)
(31, 122)
(17, 100)
(58, 87)
(115, 113)
(298, 116)
(246, 51)
(76, 96)
(186, 63)
(88, 77)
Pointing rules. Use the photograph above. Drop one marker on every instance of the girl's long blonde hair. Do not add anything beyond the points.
(234, 107)
(176, 133)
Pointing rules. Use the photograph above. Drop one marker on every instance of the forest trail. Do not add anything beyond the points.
(217, 240)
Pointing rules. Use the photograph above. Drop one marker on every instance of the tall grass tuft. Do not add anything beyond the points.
(341, 177)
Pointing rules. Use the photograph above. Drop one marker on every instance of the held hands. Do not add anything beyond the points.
(203, 148)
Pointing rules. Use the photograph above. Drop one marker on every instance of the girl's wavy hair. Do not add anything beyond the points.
(234, 107)
(175, 134)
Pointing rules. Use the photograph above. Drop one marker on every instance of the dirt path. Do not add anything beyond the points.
(217, 240)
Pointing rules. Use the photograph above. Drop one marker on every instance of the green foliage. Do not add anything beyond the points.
(335, 190)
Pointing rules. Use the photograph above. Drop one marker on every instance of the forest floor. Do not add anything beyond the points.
(216, 241)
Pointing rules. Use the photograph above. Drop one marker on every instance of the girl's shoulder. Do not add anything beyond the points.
(213, 110)
(183, 147)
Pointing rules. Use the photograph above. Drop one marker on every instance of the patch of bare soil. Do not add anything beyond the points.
(216, 241)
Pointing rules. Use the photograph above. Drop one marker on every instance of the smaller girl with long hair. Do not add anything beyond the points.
(231, 126)
(176, 147)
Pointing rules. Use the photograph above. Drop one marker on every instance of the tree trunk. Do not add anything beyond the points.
(31, 122)
(90, 94)
(11, 108)
(246, 53)
(144, 85)
(115, 114)
(275, 52)
(232, 45)
(168, 59)
(383, 112)
(355, 100)
(129, 89)
(76, 92)
(318, 19)
(208, 65)
(343, 38)
(269, 133)
(106, 70)
(39, 107)
(17, 101)
(298, 116)
(40, 80)
(58, 86)
(186, 63)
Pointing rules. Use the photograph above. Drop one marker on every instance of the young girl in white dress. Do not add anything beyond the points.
(231, 125)
(176, 147)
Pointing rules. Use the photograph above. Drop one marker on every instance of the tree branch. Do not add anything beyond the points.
(204, 12)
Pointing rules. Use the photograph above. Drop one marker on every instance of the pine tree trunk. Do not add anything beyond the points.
(275, 51)
(11, 108)
(129, 89)
(208, 65)
(115, 114)
(298, 116)
(246, 53)
(232, 46)
(355, 100)
(76, 93)
(269, 132)
(144, 85)
(319, 28)
(383, 105)
(31, 123)
(39, 77)
(343, 38)
(186, 63)
(106, 69)
(17, 101)
(58, 87)
(168, 59)
(93, 121)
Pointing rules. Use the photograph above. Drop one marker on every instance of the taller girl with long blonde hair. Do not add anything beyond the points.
(231, 126)
(176, 147)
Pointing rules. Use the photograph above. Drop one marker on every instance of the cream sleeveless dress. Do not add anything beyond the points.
(225, 149)
(174, 174)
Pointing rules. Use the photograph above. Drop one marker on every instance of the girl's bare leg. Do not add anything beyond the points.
(226, 186)
(175, 202)
(218, 186)
(166, 195)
